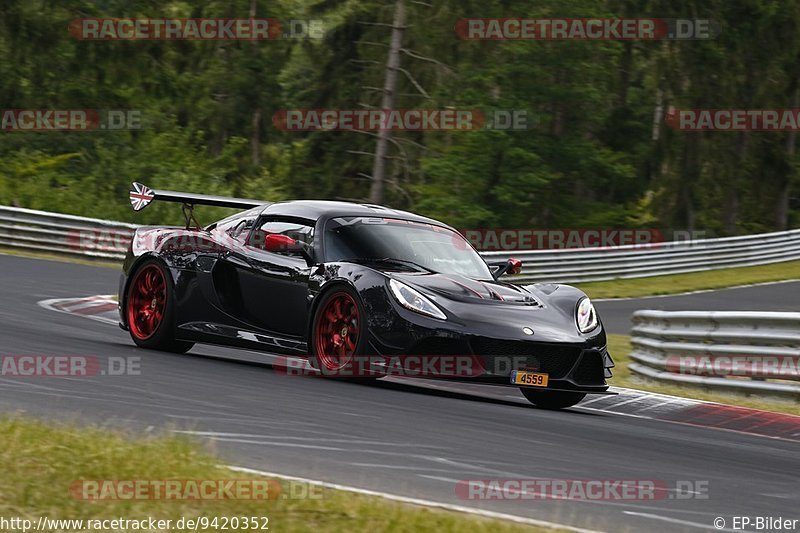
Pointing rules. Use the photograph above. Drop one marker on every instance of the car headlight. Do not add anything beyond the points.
(586, 316)
(414, 300)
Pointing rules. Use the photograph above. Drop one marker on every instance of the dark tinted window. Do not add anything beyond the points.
(299, 231)
(433, 247)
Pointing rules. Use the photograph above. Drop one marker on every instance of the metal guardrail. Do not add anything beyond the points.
(88, 237)
(731, 350)
(637, 261)
(56, 233)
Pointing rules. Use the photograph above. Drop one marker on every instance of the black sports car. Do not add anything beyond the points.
(359, 290)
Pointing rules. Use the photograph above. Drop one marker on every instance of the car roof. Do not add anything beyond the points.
(318, 209)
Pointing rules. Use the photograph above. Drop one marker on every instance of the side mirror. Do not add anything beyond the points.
(512, 266)
(279, 243)
(275, 242)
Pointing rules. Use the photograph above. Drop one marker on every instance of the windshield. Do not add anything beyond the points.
(432, 247)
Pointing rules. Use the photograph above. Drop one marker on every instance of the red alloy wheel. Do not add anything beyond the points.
(337, 331)
(147, 301)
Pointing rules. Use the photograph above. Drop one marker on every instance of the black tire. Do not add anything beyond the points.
(352, 366)
(544, 399)
(157, 333)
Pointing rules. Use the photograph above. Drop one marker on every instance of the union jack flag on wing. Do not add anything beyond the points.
(140, 196)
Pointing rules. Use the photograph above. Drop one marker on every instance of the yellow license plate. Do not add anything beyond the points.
(530, 379)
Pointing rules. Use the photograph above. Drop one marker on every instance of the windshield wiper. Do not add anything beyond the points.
(394, 261)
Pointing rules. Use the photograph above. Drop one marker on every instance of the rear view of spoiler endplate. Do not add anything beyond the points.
(141, 196)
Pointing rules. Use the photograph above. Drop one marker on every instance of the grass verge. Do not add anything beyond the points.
(41, 461)
(695, 281)
(107, 263)
(620, 348)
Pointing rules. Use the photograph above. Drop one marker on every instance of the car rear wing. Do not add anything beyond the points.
(141, 196)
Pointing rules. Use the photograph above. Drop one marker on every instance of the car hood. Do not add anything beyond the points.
(462, 288)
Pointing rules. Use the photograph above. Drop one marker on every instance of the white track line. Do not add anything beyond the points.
(416, 501)
(676, 521)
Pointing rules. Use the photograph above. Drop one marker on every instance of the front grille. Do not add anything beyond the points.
(554, 359)
(590, 370)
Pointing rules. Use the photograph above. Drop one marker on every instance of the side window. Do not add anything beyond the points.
(241, 230)
(299, 231)
(239, 225)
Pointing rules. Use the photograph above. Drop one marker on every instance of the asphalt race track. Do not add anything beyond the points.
(395, 438)
(616, 314)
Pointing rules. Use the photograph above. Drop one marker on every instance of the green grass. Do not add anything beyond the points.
(40, 461)
(695, 281)
(620, 348)
(108, 263)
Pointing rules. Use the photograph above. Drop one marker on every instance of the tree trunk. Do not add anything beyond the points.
(624, 80)
(731, 214)
(255, 124)
(689, 177)
(782, 204)
(255, 139)
(389, 90)
(658, 115)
